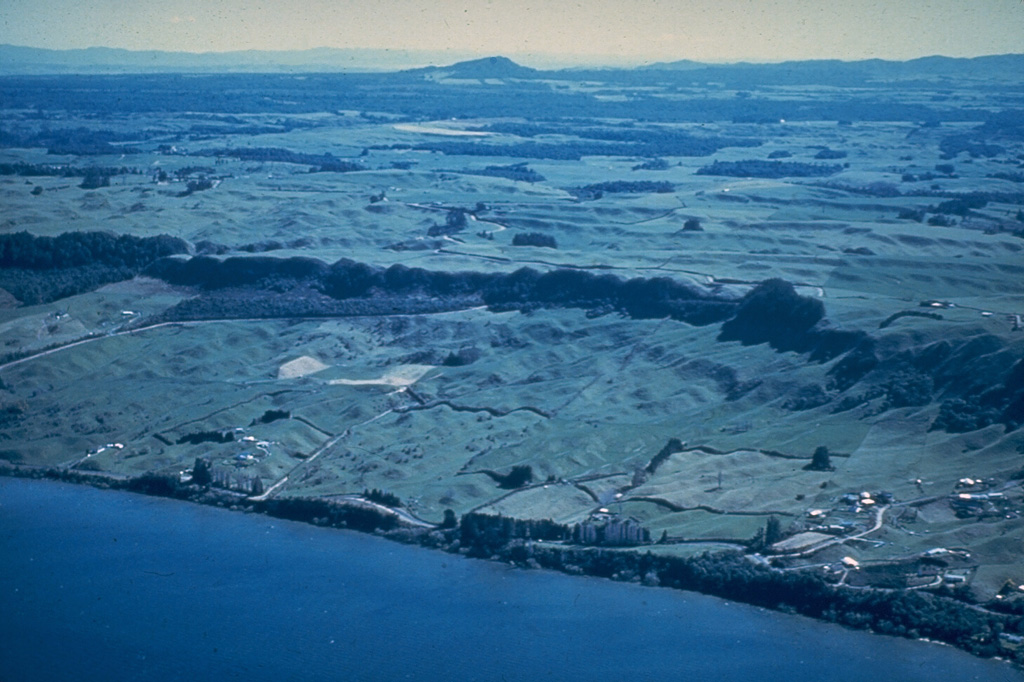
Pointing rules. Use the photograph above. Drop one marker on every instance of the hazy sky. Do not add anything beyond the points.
(634, 30)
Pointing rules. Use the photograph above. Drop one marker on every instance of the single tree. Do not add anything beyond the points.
(820, 460)
(201, 474)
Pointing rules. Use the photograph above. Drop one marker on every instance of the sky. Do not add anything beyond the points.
(591, 31)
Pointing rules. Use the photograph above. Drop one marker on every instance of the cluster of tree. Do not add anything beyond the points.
(534, 239)
(326, 162)
(382, 497)
(271, 416)
(773, 313)
(766, 536)
(483, 534)
(658, 164)
(159, 485)
(25, 250)
(30, 170)
(830, 154)
(256, 271)
(597, 190)
(983, 399)
(673, 446)
(960, 415)
(908, 388)
(286, 299)
(980, 380)
(466, 355)
(42, 269)
(807, 398)
(975, 145)
(328, 512)
(11, 411)
(207, 437)
(32, 286)
(207, 248)
(758, 168)
(193, 186)
(941, 221)
(95, 180)
(454, 223)
(517, 477)
(915, 214)
(520, 172)
(961, 205)
(640, 298)
(80, 141)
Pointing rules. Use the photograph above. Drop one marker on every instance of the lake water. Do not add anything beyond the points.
(102, 585)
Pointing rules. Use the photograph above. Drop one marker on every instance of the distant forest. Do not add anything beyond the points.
(416, 97)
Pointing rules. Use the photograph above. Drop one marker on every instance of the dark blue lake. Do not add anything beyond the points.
(101, 585)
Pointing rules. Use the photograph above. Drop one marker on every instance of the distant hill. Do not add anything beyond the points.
(1007, 67)
(488, 67)
(15, 60)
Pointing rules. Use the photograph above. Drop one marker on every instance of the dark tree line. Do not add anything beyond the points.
(640, 298)
(271, 416)
(534, 239)
(520, 172)
(758, 168)
(24, 250)
(319, 162)
(30, 170)
(383, 497)
(673, 446)
(41, 269)
(207, 437)
(596, 190)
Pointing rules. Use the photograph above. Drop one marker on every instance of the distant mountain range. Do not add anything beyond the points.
(94, 60)
(15, 60)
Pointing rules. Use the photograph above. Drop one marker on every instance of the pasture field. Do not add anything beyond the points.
(429, 406)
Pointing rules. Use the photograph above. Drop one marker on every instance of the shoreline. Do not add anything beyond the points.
(729, 575)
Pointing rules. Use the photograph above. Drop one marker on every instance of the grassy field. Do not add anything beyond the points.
(584, 399)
